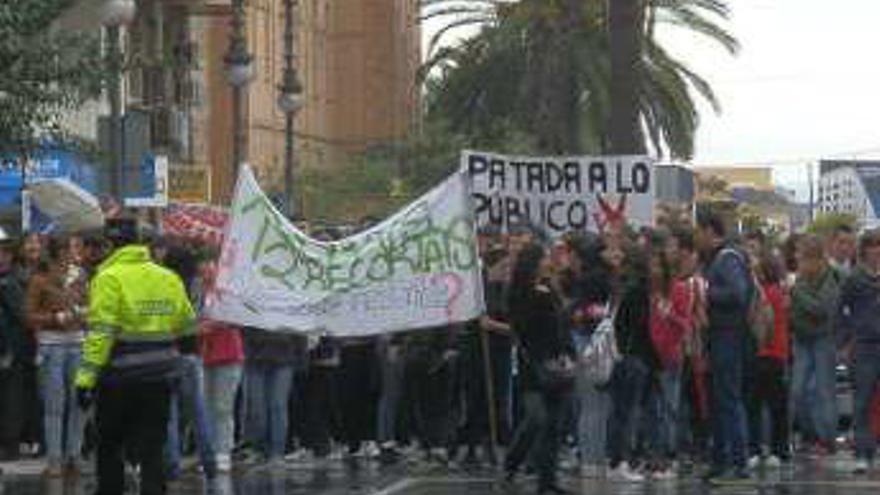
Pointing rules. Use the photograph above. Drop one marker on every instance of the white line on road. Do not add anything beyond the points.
(408, 483)
(394, 488)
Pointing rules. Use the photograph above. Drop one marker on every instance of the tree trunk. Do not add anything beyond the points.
(625, 19)
(554, 83)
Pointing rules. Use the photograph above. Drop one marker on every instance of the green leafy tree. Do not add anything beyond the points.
(44, 72)
(578, 75)
(826, 223)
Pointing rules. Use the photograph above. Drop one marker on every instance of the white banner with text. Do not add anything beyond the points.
(560, 194)
(418, 269)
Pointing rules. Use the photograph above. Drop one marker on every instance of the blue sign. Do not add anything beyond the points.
(50, 162)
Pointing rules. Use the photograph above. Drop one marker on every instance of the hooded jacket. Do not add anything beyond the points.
(729, 290)
(860, 308)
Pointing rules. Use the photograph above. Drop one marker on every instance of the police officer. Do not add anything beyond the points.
(140, 320)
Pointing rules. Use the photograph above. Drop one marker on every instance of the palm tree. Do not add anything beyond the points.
(625, 21)
(581, 75)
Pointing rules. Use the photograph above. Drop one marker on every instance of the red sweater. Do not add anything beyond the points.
(778, 346)
(669, 329)
(220, 344)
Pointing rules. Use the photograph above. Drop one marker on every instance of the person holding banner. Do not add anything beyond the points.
(547, 355)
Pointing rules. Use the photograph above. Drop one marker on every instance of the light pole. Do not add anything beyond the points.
(290, 102)
(117, 13)
(238, 61)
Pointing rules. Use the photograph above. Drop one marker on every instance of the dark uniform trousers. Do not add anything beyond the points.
(132, 421)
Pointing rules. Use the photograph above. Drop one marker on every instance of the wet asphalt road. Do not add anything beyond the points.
(807, 477)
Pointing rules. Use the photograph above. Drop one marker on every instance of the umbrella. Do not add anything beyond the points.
(202, 223)
(70, 207)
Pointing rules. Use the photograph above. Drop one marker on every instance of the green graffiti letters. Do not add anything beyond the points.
(414, 243)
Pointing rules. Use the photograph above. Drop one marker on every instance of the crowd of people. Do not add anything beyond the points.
(724, 354)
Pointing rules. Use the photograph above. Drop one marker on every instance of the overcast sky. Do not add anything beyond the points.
(806, 85)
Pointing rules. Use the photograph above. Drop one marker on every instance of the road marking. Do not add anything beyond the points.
(404, 484)
(823, 483)
(409, 483)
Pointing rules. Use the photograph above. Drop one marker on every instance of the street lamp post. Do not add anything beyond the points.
(117, 13)
(238, 61)
(290, 102)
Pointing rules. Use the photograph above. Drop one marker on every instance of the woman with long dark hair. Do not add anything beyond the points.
(768, 388)
(671, 320)
(545, 349)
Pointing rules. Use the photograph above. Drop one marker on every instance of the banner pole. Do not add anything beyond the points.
(490, 391)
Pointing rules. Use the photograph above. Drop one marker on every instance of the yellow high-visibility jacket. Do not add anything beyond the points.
(137, 312)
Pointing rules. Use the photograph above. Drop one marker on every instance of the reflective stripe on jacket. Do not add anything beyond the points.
(137, 311)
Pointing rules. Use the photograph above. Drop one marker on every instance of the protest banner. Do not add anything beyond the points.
(417, 269)
(560, 194)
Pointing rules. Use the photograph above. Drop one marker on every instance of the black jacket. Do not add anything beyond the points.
(537, 321)
(632, 326)
(860, 310)
(13, 332)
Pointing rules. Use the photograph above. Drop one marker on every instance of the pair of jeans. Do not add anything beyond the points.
(392, 364)
(867, 375)
(62, 419)
(189, 396)
(593, 406)
(501, 356)
(431, 384)
(267, 389)
(815, 361)
(322, 409)
(221, 386)
(668, 404)
(12, 411)
(628, 385)
(476, 429)
(132, 418)
(537, 437)
(767, 389)
(727, 348)
(359, 393)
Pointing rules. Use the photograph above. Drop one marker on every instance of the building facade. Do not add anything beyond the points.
(756, 177)
(357, 61)
(851, 187)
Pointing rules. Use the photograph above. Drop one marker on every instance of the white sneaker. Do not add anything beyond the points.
(276, 465)
(862, 467)
(754, 462)
(626, 474)
(773, 462)
(224, 463)
(568, 464)
(297, 455)
(665, 475)
(371, 450)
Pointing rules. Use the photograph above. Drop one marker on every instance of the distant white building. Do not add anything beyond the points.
(674, 183)
(851, 186)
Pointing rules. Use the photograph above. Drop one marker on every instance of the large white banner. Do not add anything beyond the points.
(418, 269)
(560, 194)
